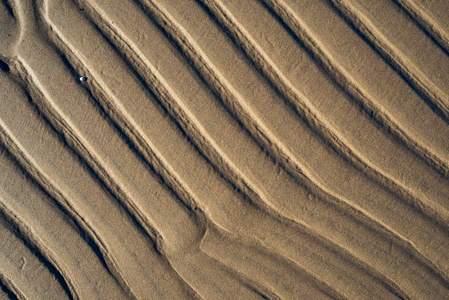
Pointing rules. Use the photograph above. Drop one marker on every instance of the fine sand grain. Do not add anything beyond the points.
(224, 149)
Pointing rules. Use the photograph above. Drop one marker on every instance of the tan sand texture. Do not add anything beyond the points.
(224, 149)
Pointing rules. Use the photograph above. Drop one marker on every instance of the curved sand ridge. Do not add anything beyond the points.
(224, 149)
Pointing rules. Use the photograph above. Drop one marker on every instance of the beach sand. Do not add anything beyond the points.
(224, 149)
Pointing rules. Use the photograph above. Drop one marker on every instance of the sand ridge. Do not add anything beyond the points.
(224, 149)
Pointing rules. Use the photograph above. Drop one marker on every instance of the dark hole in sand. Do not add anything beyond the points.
(4, 66)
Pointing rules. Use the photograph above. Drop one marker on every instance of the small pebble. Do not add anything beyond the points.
(82, 78)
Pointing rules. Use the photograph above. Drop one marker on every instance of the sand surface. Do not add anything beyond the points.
(224, 149)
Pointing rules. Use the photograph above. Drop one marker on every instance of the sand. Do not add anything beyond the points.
(224, 149)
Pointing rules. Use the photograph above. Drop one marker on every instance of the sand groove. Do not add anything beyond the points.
(444, 276)
(28, 163)
(11, 289)
(425, 19)
(364, 169)
(347, 82)
(407, 68)
(179, 187)
(350, 85)
(223, 149)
